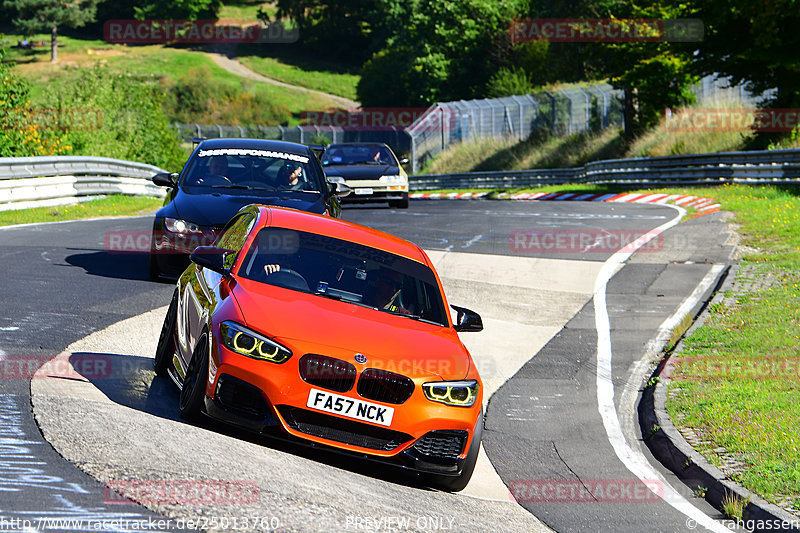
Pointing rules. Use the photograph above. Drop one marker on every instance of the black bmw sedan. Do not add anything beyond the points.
(223, 175)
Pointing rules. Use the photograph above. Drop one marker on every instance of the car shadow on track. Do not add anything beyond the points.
(129, 380)
(133, 266)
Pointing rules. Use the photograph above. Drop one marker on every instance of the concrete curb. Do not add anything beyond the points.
(672, 450)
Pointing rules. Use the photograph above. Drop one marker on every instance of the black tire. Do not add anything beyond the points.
(166, 340)
(400, 204)
(457, 483)
(194, 384)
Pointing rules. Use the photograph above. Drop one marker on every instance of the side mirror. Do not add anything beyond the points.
(165, 179)
(341, 190)
(467, 320)
(210, 257)
(404, 161)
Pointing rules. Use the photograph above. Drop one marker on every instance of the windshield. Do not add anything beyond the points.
(358, 155)
(341, 270)
(256, 170)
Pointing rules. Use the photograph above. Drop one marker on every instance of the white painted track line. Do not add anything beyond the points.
(633, 460)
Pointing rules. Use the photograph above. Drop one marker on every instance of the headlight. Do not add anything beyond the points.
(458, 393)
(247, 342)
(335, 179)
(393, 180)
(176, 225)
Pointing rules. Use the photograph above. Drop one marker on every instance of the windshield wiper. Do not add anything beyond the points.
(300, 190)
(232, 186)
(412, 317)
(338, 298)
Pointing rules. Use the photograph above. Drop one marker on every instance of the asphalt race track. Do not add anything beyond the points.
(546, 430)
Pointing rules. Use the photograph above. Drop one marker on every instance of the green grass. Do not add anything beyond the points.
(539, 151)
(282, 63)
(166, 62)
(739, 383)
(117, 205)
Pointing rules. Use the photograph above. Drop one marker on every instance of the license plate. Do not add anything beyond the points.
(350, 407)
(363, 191)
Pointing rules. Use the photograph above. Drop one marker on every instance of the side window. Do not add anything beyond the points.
(234, 235)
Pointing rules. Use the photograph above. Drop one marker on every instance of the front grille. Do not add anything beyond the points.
(341, 430)
(384, 386)
(241, 398)
(447, 444)
(327, 372)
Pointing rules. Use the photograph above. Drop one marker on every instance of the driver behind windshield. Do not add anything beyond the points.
(290, 176)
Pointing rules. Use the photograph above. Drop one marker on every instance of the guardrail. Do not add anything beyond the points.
(757, 167)
(54, 180)
(41, 181)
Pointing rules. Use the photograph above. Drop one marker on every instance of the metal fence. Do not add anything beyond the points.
(561, 112)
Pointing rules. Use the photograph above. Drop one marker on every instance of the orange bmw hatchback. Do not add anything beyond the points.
(326, 332)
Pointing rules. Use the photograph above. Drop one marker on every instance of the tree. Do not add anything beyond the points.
(335, 28)
(440, 51)
(47, 15)
(177, 9)
(752, 42)
(653, 75)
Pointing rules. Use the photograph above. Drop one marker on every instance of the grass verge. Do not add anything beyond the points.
(116, 205)
(284, 65)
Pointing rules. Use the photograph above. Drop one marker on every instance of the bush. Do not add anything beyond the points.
(508, 82)
(124, 117)
(21, 133)
(198, 98)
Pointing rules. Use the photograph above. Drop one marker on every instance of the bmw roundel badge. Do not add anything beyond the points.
(360, 358)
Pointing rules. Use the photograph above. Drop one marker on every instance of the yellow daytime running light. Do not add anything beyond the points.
(242, 349)
(238, 339)
(461, 394)
(262, 353)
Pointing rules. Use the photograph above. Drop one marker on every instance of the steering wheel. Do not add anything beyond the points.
(210, 179)
(286, 277)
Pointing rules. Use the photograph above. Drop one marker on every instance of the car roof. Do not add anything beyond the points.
(382, 145)
(340, 229)
(256, 144)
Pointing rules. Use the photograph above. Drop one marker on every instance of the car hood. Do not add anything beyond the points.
(218, 209)
(313, 324)
(361, 172)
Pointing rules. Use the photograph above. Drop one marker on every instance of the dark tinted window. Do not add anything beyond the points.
(254, 170)
(358, 155)
(341, 270)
